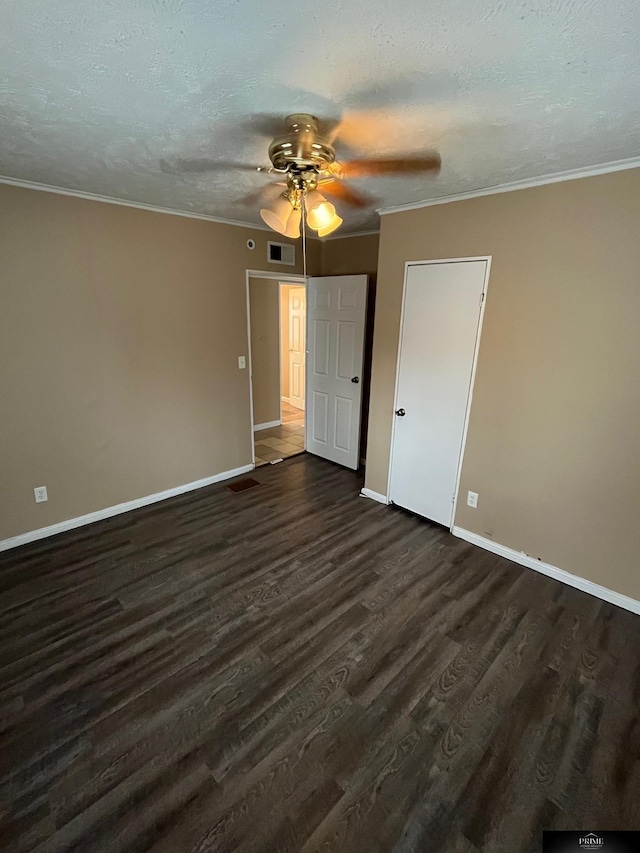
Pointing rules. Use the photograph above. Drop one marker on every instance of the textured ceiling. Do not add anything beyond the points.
(94, 94)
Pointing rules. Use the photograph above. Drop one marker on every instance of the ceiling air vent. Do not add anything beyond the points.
(281, 253)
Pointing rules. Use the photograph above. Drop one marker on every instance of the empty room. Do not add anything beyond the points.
(320, 426)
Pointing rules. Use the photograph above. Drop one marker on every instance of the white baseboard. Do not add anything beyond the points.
(284, 399)
(551, 571)
(375, 496)
(108, 512)
(268, 425)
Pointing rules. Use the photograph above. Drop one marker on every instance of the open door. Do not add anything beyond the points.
(336, 312)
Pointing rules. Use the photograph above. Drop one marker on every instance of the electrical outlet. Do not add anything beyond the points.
(472, 499)
(242, 362)
(40, 493)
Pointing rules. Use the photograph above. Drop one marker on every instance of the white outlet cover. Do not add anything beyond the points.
(472, 499)
(40, 494)
(242, 362)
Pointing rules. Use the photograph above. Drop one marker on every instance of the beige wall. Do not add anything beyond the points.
(351, 255)
(265, 349)
(120, 331)
(554, 436)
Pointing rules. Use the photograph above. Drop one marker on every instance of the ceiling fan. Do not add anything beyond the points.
(306, 160)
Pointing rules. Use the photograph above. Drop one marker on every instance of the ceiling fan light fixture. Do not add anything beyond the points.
(312, 199)
(335, 223)
(322, 216)
(277, 215)
(320, 212)
(293, 223)
(304, 158)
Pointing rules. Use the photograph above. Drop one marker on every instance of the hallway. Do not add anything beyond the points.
(282, 441)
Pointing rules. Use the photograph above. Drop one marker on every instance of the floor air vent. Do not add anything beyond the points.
(243, 485)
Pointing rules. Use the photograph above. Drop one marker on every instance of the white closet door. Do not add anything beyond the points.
(336, 312)
(442, 304)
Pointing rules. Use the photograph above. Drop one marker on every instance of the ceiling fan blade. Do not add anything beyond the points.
(263, 195)
(391, 166)
(336, 188)
(195, 165)
(329, 127)
(263, 124)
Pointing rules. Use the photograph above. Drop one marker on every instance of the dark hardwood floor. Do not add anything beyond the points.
(295, 668)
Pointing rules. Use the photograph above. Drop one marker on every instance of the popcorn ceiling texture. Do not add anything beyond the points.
(93, 95)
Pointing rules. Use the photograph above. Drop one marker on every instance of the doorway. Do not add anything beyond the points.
(293, 325)
(277, 324)
(315, 329)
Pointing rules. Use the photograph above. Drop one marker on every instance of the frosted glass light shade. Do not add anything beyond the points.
(336, 222)
(284, 218)
(313, 199)
(293, 224)
(320, 212)
(321, 216)
(277, 215)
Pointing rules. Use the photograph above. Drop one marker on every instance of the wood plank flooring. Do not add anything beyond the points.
(295, 668)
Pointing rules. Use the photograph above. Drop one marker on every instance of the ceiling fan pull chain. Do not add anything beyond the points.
(304, 236)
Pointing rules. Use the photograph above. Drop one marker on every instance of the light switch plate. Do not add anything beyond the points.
(242, 362)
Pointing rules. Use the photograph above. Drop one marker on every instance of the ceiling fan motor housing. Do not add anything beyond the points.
(301, 148)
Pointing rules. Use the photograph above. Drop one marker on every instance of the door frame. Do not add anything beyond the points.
(285, 278)
(474, 365)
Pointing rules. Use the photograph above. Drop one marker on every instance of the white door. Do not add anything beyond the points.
(441, 313)
(297, 326)
(336, 309)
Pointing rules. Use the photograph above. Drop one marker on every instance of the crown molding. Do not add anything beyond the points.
(139, 205)
(48, 188)
(346, 236)
(555, 178)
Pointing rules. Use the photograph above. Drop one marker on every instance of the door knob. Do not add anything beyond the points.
(355, 379)
(400, 413)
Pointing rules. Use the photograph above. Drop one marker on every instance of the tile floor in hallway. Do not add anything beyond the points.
(281, 441)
